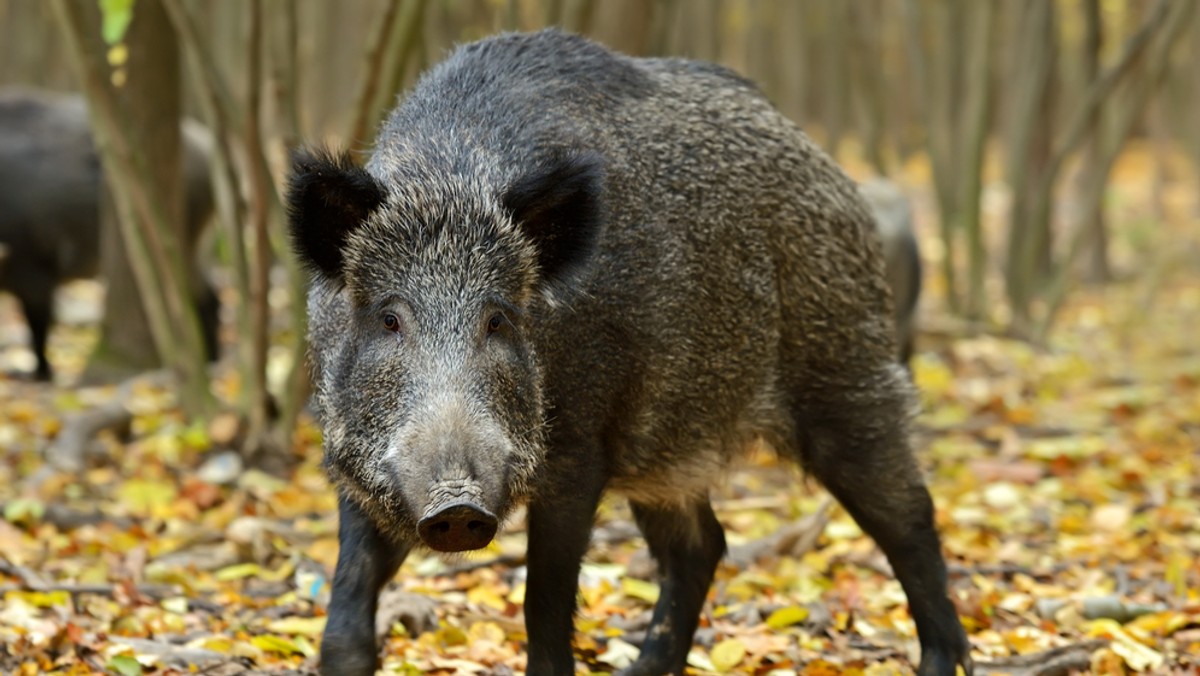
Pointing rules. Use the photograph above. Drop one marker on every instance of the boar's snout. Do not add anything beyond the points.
(457, 527)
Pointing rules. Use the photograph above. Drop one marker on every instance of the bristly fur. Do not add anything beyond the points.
(329, 197)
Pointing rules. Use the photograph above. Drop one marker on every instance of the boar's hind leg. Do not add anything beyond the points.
(854, 440)
(560, 527)
(688, 544)
(366, 561)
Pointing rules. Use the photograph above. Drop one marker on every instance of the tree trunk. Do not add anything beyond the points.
(150, 100)
(865, 64)
(834, 82)
(933, 88)
(1028, 146)
(974, 119)
(1096, 257)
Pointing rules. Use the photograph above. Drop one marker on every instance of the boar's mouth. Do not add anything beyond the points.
(455, 519)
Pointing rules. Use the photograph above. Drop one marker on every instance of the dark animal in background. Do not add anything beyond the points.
(50, 186)
(565, 271)
(893, 217)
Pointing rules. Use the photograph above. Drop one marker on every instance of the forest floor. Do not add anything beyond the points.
(1066, 477)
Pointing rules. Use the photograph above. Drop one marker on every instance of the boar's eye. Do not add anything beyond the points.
(495, 323)
(391, 322)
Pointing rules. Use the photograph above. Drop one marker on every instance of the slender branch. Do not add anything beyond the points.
(377, 46)
(400, 58)
(284, 67)
(581, 16)
(218, 106)
(930, 109)
(1033, 69)
(260, 269)
(976, 116)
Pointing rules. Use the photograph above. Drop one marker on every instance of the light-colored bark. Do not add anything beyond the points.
(154, 256)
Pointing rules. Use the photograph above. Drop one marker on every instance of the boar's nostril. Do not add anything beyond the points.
(457, 527)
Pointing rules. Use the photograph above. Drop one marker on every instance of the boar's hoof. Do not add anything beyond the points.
(457, 527)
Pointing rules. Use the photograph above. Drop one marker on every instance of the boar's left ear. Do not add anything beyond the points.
(329, 197)
(558, 206)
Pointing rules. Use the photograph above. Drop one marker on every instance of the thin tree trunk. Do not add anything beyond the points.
(934, 108)
(1033, 74)
(286, 66)
(581, 15)
(865, 64)
(1097, 267)
(260, 279)
(401, 57)
(974, 124)
(150, 101)
(153, 255)
(833, 75)
(386, 29)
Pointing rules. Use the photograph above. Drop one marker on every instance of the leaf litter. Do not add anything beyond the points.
(1067, 481)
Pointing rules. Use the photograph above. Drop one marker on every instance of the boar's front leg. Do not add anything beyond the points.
(560, 528)
(688, 543)
(366, 561)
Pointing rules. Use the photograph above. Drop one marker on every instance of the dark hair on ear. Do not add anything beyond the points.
(558, 205)
(329, 196)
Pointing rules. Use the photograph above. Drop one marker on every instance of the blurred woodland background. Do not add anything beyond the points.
(1050, 148)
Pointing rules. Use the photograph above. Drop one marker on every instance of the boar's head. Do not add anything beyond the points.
(422, 308)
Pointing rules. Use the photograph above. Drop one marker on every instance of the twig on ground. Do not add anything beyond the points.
(171, 654)
(793, 540)
(1054, 662)
(30, 580)
(27, 576)
(1006, 569)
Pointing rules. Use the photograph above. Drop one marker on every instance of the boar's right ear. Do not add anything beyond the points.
(558, 206)
(328, 198)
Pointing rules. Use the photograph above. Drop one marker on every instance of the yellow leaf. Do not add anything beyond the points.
(640, 589)
(309, 626)
(142, 496)
(486, 631)
(305, 646)
(487, 595)
(220, 644)
(727, 654)
(276, 644)
(41, 599)
(283, 572)
(451, 636)
(237, 571)
(786, 617)
(24, 511)
(1139, 657)
(517, 595)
